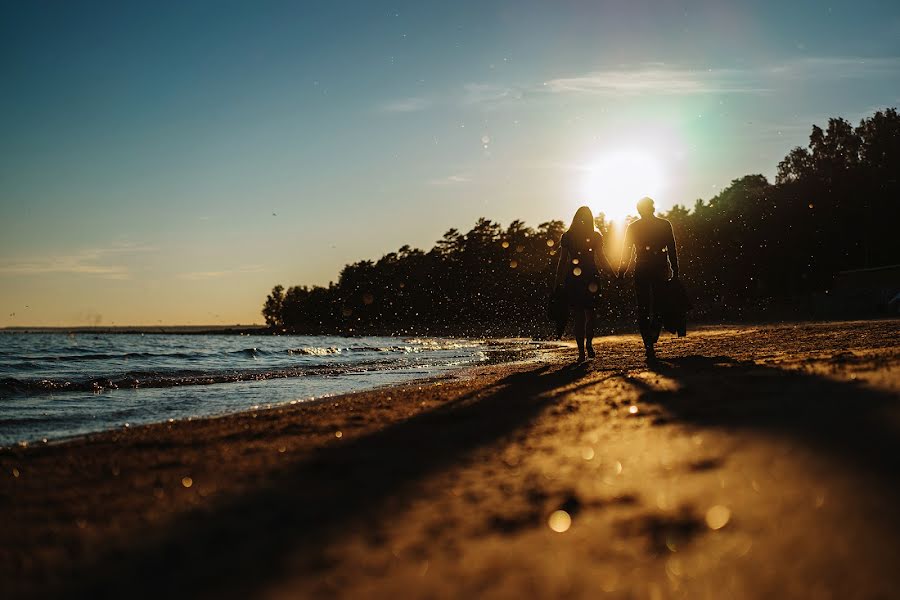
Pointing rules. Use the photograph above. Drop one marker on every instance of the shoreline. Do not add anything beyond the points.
(496, 352)
(445, 487)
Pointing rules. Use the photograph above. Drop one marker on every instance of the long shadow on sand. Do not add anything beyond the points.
(234, 548)
(846, 420)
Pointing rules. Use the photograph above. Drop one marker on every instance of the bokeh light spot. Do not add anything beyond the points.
(560, 521)
(718, 516)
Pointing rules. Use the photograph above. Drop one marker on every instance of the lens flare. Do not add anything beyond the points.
(616, 181)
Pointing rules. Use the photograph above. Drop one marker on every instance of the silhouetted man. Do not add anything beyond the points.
(651, 242)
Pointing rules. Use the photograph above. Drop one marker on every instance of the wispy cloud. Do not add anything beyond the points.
(657, 79)
(836, 67)
(488, 93)
(451, 179)
(672, 80)
(207, 275)
(97, 262)
(406, 105)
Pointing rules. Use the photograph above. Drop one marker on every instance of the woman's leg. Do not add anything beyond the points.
(589, 318)
(579, 332)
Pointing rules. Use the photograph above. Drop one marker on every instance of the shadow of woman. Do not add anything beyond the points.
(236, 546)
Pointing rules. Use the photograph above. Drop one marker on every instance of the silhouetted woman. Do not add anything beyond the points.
(580, 260)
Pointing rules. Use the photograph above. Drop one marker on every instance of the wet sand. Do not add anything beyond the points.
(752, 462)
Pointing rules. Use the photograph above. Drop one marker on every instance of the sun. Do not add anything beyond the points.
(615, 181)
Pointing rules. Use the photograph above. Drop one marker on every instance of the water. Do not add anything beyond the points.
(55, 385)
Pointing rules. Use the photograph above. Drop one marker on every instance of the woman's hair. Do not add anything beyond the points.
(582, 224)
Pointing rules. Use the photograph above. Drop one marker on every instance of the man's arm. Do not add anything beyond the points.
(627, 251)
(673, 253)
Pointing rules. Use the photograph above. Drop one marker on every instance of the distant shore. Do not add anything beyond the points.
(145, 329)
(746, 450)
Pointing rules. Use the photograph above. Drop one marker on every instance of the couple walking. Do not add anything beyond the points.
(649, 241)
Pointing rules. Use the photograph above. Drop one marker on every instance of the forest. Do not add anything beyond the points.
(756, 251)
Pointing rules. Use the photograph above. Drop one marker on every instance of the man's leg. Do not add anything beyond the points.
(656, 321)
(643, 293)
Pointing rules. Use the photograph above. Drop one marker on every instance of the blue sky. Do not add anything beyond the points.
(170, 162)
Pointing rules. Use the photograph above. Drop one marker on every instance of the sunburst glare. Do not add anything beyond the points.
(615, 181)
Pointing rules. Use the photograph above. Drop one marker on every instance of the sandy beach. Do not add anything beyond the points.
(752, 462)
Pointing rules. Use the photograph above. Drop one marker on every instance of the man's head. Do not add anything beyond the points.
(645, 207)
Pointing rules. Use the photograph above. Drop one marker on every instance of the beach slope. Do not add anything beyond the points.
(751, 462)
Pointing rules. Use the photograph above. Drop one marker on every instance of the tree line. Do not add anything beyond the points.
(755, 250)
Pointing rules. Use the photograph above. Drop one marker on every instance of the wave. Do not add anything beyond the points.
(156, 380)
(314, 351)
(416, 346)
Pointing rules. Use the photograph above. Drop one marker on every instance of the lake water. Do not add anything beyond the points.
(55, 385)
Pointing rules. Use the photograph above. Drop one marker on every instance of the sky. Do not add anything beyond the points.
(169, 162)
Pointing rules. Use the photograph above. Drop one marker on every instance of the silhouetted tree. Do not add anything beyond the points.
(835, 205)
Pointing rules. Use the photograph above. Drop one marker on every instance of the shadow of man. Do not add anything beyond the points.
(847, 420)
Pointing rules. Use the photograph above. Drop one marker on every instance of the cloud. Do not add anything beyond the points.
(406, 105)
(670, 80)
(97, 262)
(207, 275)
(487, 93)
(837, 67)
(451, 179)
(656, 79)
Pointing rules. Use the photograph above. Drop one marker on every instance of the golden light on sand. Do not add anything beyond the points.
(718, 516)
(587, 453)
(560, 521)
(615, 181)
(618, 467)
(187, 482)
